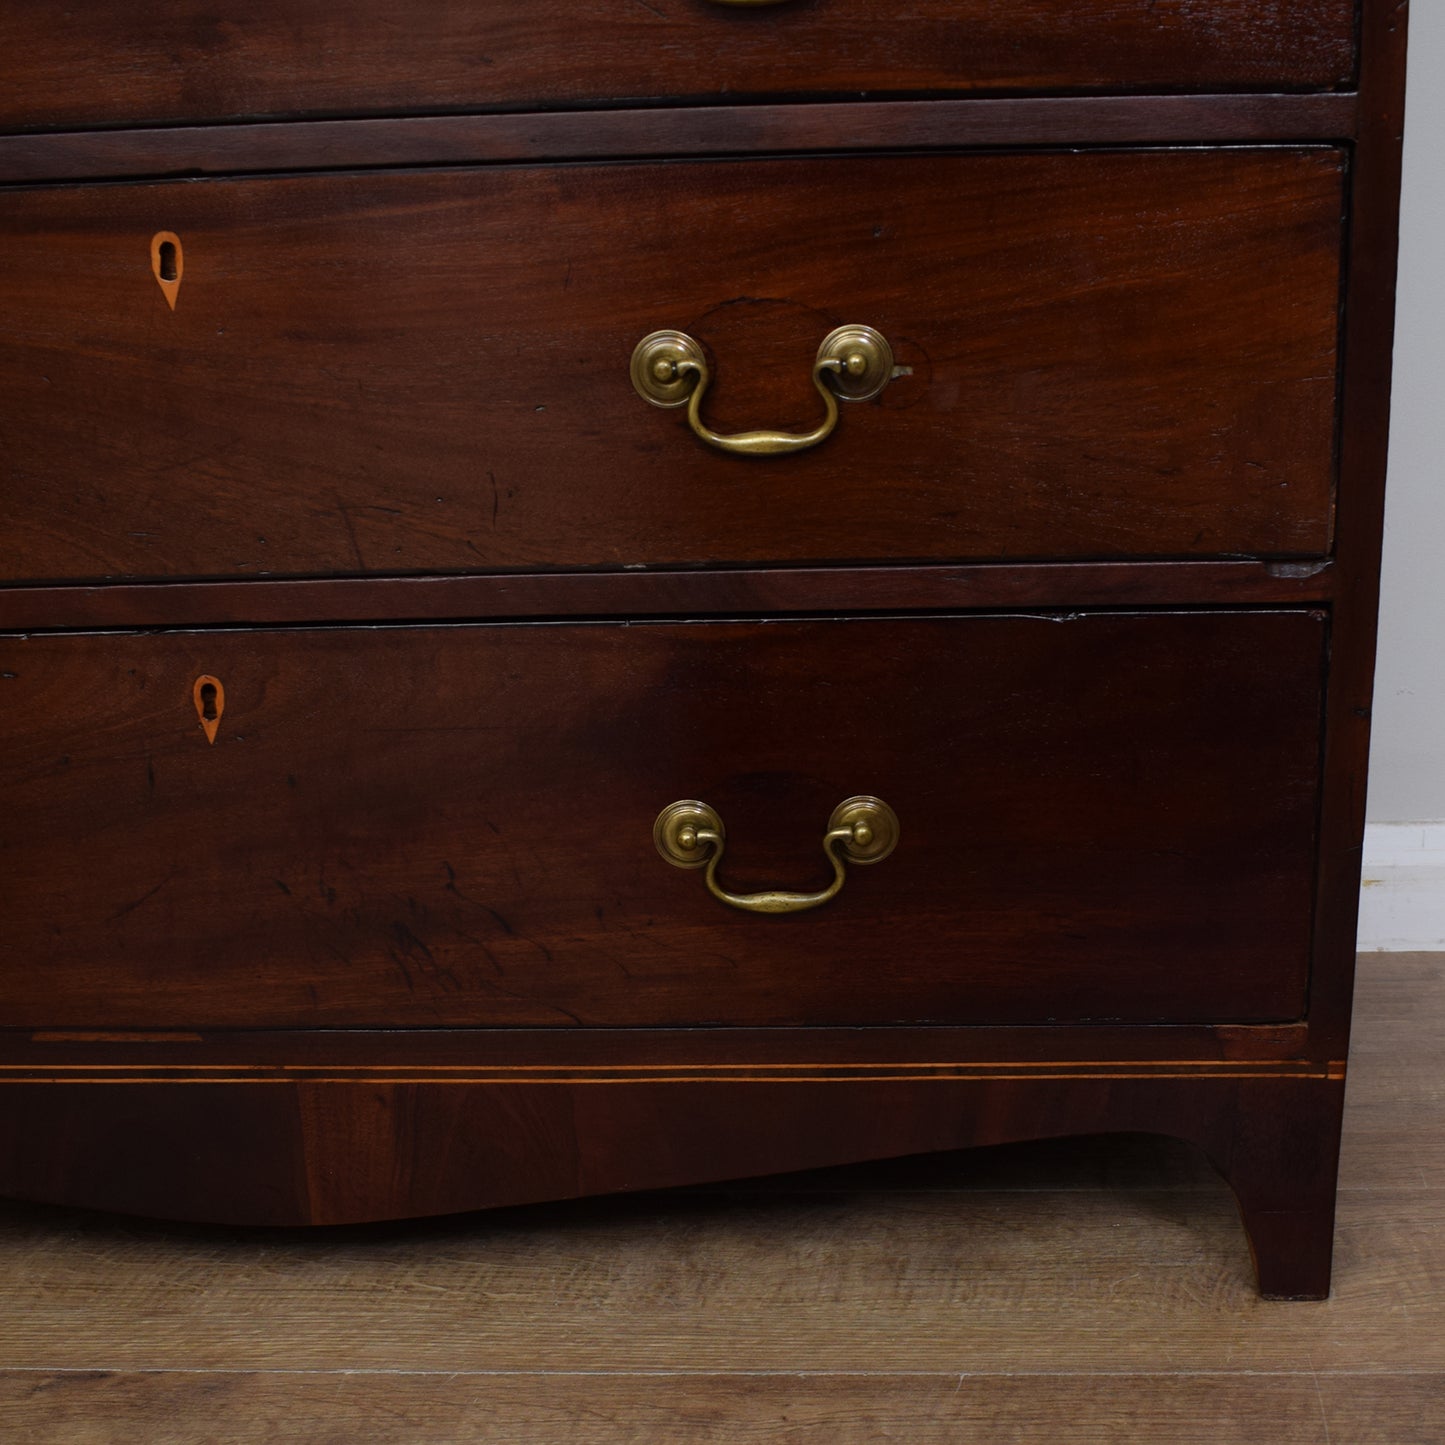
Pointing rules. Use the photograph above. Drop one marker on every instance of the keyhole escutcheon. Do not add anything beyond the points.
(210, 699)
(167, 263)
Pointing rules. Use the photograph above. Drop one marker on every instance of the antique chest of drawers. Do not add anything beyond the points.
(485, 498)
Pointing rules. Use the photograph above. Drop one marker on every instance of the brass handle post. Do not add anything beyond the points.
(669, 369)
(689, 834)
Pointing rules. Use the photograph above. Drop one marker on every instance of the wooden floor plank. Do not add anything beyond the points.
(1395, 1098)
(397, 1409)
(868, 1281)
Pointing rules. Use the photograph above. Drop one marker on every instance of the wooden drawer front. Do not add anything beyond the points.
(96, 61)
(1103, 817)
(1107, 354)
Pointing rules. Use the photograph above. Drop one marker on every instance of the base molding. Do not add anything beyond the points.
(330, 1151)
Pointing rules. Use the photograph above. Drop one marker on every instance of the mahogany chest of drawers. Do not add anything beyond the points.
(485, 498)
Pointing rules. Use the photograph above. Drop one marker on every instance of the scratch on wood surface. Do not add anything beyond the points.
(144, 898)
(344, 512)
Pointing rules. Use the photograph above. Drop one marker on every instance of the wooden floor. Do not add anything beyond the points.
(1091, 1291)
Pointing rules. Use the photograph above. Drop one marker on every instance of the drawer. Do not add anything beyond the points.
(97, 62)
(1109, 354)
(1102, 817)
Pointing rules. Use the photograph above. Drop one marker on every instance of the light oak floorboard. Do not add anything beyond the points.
(983, 1281)
(392, 1409)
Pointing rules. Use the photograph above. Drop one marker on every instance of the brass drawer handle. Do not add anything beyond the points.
(854, 363)
(689, 834)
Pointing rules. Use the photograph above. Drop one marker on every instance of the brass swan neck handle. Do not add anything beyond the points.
(669, 369)
(689, 834)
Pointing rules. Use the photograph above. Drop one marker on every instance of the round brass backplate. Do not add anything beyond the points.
(680, 822)
(865, 361)
(874, 825)
(657, 362)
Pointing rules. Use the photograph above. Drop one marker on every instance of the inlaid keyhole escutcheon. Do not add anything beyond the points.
(210, 700)
(167, 263)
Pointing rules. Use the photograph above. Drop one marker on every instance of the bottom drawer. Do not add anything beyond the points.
(1102, 816)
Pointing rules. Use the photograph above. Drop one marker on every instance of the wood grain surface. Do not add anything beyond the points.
(262, 146)
(696, 1408)
(667, 592)
(994, 1296)
(448, 826)
(95, 64)
(1112, 354)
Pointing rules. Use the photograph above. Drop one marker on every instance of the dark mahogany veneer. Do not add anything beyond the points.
(452, 826)
(1127, 353)
(95, 62)
(1087, 594)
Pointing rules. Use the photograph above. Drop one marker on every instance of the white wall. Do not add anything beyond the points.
(1407, 760)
